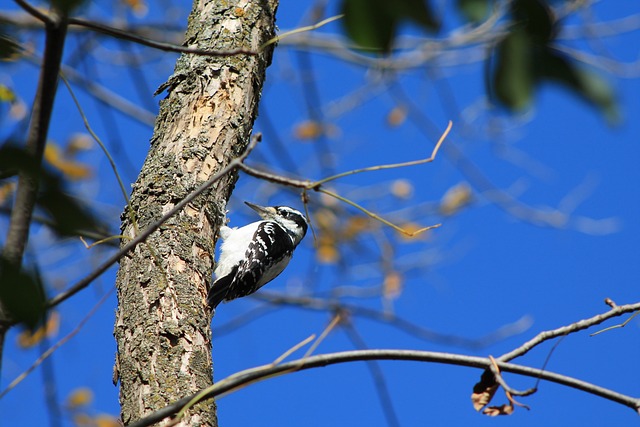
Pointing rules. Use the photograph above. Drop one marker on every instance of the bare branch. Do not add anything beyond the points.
(414, 330)
(35, 12)
(323, 360)
(565, 330)
(167, 47)
(28, 181)
(429, 159)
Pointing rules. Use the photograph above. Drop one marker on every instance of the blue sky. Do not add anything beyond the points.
(481, 270)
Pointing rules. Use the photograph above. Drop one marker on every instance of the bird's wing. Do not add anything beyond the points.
(252, 272)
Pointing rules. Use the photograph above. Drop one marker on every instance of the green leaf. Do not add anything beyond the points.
(9, 47)
(417, 11)
(67, 6)
(368, 23)
(475, 10)
(14, 159)
(512, 82)
(372, 24)
(536, 18)
(554, 66)
(22, 294)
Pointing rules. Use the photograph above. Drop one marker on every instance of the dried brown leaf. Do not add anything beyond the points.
(494, 411)
(484, 390)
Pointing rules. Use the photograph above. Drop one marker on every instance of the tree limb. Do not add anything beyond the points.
(253, 375)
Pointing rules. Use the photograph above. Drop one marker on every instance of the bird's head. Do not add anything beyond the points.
(290, 219)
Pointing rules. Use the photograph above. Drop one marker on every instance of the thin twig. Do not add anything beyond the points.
(28, 180)
(378, 217)
(294, 349)
(495, 369)
(619, 325)
(95, 137)
(565, 330)
(336, 319)
(417, 331)
(307, 185)
(35, 12)
(286, 34)
(167, 47)
(390, 166)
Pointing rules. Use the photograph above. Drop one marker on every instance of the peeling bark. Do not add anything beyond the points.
(162, 326)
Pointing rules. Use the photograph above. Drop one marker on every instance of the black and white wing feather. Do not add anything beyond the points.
(266, 257)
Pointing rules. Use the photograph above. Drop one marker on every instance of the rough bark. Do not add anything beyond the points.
(162, 326)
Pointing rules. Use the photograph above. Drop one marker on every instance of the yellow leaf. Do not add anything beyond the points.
(327, 254)
(106, 420)
(82, 396)
(28, 339)
(402, 188)
(139, 7)
(83, 419)
(70, 168)
(354, 226)
(325, 219)
(392, 285)
(6, 190)
(309, 129)
(397, 116)
(7, 94)
(456, 198)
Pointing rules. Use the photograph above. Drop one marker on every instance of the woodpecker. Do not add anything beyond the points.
(253, 255)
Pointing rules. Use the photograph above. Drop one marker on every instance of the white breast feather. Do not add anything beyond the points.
(234, 246)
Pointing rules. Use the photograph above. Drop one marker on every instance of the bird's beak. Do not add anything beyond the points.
(264, 212)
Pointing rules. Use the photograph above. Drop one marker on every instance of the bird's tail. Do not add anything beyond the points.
(218, 291)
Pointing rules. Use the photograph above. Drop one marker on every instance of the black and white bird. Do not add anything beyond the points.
(253, 255)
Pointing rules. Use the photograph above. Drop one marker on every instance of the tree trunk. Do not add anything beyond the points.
(162, 325)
